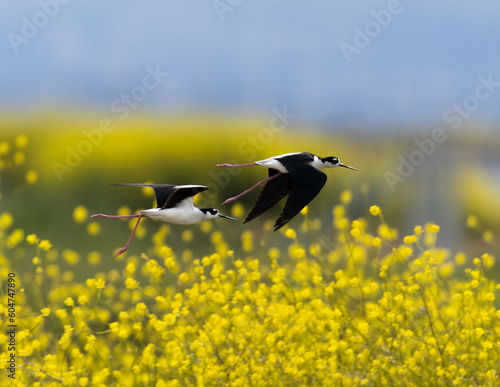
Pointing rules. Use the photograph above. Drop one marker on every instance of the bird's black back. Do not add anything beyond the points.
(181, 193)
(296, 159)
(169, 195)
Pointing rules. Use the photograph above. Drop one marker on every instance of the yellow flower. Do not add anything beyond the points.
(239, 263)
(355, 232)
(433, 228)
(187, 235)
(460, 258)
(218, 297)
(141, 308)
(45, 312)
(489, 260)
(375, 210)
(273, 253)
(346, 197)
(237, 210)
(290, 233)
(4, 148)
(386, 232)
(31, 239)
(409, 239)
(19, 158)
(130, 268)
(206, 226)
(93, 228)
(131, 283)
(304, 211)
(490, 296)
(15, 238)
(296, 251)
(184, 277)
(45, 245)
(169, 319)
(488, 236)
(70, 256)
(6, 220)
(21, 141)
(472, 221)
(94, 258)
(66, 336)
(100, 283)
(254, 264)
(61, 314)
(80, 214)
(446, 270)
(31, 177)
(247, 240)
(69, 301)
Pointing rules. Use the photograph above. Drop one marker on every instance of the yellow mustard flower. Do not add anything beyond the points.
(93, 228)
(31, 177)
(31, 239)
(6, 220)
(375, 210)
(45, 245)
(80, 214)
(290, 233)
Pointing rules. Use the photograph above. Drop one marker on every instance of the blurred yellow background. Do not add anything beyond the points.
(75, 163)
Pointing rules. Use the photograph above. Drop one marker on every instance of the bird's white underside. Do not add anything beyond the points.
(183, 213)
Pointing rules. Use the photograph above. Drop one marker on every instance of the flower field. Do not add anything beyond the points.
(332, 300)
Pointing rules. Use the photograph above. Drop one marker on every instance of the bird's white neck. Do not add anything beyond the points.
(318, 163)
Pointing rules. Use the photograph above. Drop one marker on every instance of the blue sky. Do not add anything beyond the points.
(242, 56)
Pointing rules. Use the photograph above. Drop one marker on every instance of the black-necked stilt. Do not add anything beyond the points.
(175, 205)
(297, 174)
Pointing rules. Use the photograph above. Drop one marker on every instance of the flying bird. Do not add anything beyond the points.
(174, 205)
(297, 175)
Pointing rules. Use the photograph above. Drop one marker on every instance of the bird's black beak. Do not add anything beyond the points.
(227, 217)
(347, 166)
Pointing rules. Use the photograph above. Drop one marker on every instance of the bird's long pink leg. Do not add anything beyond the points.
(124, 248)
(251, 188)
(235, 165)
(114, 216)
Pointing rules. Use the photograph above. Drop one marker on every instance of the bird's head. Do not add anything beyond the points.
(330, 162)
(212, 213)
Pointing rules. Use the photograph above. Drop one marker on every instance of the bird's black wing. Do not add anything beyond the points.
(307, 182)
(182, 192)
(162, 191)
(274, 190)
